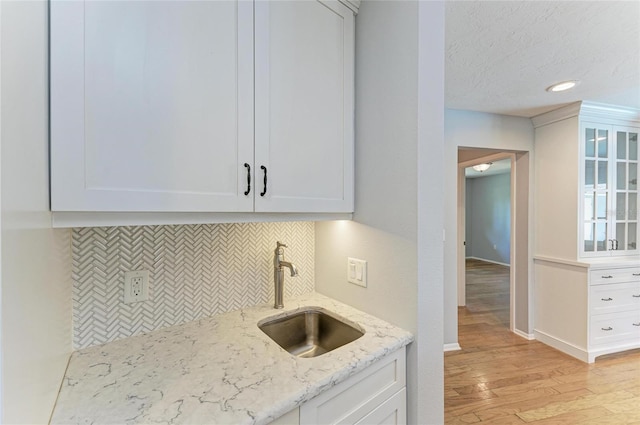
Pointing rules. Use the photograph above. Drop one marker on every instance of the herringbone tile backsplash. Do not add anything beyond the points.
(195, 271)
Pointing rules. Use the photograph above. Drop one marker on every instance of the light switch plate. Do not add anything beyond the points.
(357, 271)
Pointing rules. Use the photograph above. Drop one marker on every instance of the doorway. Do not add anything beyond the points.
(487, 240)
(518, 239)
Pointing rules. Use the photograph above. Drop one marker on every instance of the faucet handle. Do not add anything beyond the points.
(279, 244)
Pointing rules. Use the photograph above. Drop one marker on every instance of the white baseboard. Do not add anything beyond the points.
(489, 261)
(527, 336)
(452, 347)
(564, 346)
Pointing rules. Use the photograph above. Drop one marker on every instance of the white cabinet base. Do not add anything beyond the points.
(374, 395)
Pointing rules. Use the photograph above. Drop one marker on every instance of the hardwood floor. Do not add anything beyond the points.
(501, 378)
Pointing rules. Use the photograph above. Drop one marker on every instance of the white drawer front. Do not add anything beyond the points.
(615, 327)
(616, 297)
(627, 274)
(351, 400)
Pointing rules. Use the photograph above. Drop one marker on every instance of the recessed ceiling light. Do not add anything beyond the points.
(565, 85)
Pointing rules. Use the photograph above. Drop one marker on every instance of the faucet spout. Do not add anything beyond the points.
(292, 267)
(278, 275)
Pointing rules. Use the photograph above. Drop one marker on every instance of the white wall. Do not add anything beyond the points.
(36, 277)
(397, 225)
(474, 130)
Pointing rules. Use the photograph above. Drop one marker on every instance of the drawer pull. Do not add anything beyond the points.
(607, 329)
(636, 324)
(607, 277)
(635, 296)
(607, 299)
(635, 274)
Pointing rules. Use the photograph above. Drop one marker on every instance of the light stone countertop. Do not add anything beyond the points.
(221, 369)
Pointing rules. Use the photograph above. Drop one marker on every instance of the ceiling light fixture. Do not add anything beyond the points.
(482, 167)
(565, 85)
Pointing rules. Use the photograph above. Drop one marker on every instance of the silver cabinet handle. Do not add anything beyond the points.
(635, 274)
(607, 329)
(635, 296)
(607, 299)
(636, 324)
(607, 277)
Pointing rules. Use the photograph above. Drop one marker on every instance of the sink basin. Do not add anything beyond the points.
(310, 332)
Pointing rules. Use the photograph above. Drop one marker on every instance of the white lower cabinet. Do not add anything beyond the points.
(614, 310)
(376, 395)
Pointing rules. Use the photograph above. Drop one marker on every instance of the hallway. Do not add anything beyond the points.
(501, 378)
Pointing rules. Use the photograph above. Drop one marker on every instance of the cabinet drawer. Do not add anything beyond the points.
(350, 401)
(614, 298)
(391, 412)
(615, 327)
(627, 274)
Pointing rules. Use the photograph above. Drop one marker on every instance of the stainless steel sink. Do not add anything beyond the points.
(310, 332)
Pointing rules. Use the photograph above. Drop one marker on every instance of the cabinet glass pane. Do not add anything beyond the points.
(633, 176)
(590, 142)
(621, 148)
(601, 206)
(633, 146)
(621, 206)
(602, 174)
(621, 176)
(589, 174)
(602, 143)
(589, 233)
(601, 236)
(632, 243)
(633, 206)
(620, 236)
(589, 206)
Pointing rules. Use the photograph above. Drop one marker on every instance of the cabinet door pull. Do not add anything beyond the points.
(263, 168)
(607, 277)
(607, 299)
(635, 274)
(607, 329)
(248, 167)
(636, 296)
(636, 324)
(615, 241)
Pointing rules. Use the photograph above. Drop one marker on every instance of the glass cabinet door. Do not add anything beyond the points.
(625, 229)
(596, 186)
(610, 222)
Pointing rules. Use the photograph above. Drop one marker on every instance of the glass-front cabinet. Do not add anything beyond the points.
(609, 190)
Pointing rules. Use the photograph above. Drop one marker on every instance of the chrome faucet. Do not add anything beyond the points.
(278, 274)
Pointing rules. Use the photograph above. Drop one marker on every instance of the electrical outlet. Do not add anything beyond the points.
(136, 286)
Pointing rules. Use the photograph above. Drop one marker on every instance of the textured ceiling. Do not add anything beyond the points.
(502, 55)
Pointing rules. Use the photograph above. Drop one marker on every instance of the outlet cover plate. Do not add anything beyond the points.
(136, 286)
(357, 272)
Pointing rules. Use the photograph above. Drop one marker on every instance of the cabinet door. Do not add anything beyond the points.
(304, 106)
(596, 178)
(625, 227)
(151, 105)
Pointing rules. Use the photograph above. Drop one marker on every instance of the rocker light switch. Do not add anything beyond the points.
(357, 272)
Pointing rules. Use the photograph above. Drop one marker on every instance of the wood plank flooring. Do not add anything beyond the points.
(501, 378)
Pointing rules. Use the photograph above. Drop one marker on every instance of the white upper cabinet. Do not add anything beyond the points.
(152, 106)
(304, 106)
(609, 189)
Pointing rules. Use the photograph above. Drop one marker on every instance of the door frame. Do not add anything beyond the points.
(513, 258)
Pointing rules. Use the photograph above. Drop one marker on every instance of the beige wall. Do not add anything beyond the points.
(35, 262)
(557, 183)
(397, 225)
